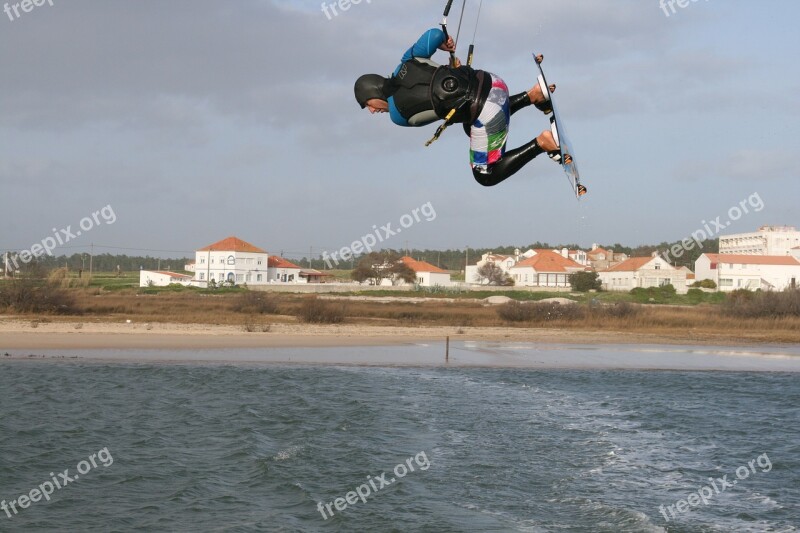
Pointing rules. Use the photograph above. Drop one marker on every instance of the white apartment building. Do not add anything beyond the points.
(768, 240)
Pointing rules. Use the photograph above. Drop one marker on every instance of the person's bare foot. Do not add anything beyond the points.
(537, 96)
(547, 142)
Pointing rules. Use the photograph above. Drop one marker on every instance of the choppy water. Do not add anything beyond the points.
(203, 447)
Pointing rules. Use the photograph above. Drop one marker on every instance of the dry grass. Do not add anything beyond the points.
(689, 322)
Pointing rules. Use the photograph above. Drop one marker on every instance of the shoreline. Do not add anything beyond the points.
(16, 334)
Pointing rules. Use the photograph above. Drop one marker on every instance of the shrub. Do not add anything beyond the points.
(585, 281)
(316, 311)
(254, 302)
(705, 284)
(540, 312)
(29, 294)
(746, 304)
(514, 311)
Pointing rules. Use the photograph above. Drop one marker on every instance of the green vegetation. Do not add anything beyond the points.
(585, 281)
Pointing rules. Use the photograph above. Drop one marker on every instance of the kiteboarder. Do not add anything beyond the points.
(421, 92)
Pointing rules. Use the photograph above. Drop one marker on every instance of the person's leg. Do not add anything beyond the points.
(491, 164)
(489, 132)
(513, 160)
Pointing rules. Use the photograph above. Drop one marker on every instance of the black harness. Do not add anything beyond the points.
(421, 87)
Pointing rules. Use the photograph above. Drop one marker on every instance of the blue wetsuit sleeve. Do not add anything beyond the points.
(425, 46)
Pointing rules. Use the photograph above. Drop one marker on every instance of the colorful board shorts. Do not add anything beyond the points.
(489, 132)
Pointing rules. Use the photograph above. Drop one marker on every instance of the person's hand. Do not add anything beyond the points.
(456, 62)
(449, 45)
(539, 59)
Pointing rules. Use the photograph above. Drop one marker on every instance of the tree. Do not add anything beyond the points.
(585, 281)
(377, 266)
(494, 275)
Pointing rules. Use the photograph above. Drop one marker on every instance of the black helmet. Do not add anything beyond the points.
(370, 86)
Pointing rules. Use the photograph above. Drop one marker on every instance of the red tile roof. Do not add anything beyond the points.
(421, 266)
(630, 265)
(279, 262)
(232, 244)
(779, 260)
(598, 251)
(549, 261)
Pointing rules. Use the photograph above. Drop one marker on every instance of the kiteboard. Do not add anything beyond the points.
(567, 160)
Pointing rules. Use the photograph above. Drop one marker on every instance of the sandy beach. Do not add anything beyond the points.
(16, 334)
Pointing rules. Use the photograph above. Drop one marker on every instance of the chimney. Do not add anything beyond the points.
(595, 246)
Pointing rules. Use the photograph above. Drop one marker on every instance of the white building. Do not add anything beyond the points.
(505, 262)
(232, 260)
(282, 271)
(768, 240)
(163, 278)
(427, 274)
(765, 272)
(545, 268)
(601, 259)
(643, 272)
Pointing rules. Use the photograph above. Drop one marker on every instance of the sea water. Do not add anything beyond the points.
(192, 444)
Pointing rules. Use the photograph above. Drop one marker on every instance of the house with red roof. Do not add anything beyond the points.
(601, 259)
(545, 268)
(427, 274)
(752, 272)
(282, 271)
(643, 272)
(232, 260)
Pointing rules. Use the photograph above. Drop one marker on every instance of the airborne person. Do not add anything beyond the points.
(421, 91)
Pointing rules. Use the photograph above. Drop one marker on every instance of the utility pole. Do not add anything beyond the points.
(310, 253)
(91, 261)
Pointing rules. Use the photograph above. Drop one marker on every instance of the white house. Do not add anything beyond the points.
(643, 272)
(545, 268)
(283, 271)
(765, 272)
(505, 262)
(232, 260)
(163, 278)
(601, 259)
(427, 274)
(768, 240)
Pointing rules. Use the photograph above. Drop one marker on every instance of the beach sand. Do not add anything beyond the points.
(16, 334)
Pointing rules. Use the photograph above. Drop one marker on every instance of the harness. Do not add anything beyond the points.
(453, 94)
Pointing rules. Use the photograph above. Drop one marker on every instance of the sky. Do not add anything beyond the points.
(194, 120)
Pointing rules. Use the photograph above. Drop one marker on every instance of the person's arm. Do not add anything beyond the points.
(427, 45)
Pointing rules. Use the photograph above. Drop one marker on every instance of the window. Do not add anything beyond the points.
(239, 277)
(202, 276)
(231, 260)
(725, 282)
(258, 277)
(658, 266)
(202, 260)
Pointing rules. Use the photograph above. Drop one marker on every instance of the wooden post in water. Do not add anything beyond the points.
(447, 351)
